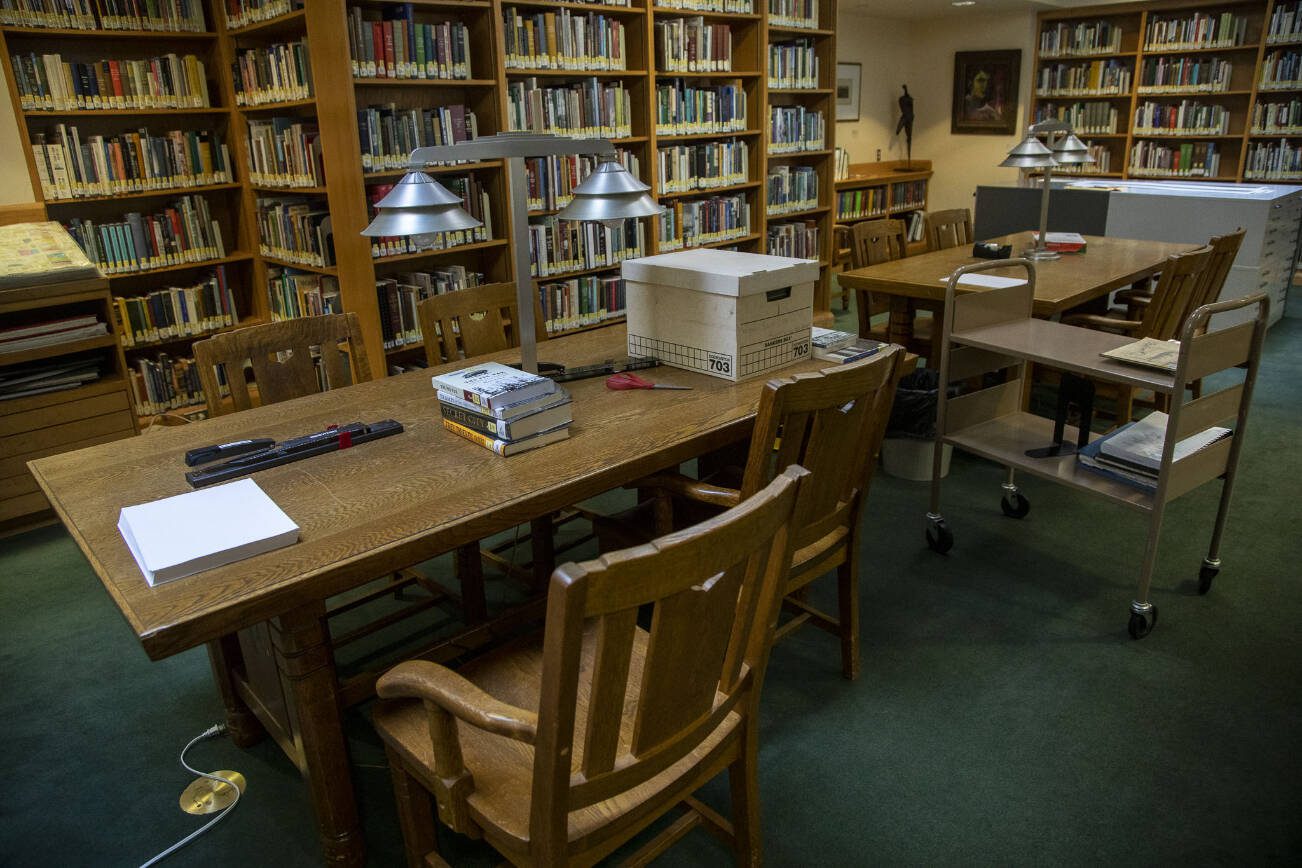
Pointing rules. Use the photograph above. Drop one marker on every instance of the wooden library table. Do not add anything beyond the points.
(1060, 284)
(365, 512)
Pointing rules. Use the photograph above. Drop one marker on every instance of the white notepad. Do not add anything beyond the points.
(987, 281)
(179, 536)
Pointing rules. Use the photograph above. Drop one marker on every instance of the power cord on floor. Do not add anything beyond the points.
(210, 732)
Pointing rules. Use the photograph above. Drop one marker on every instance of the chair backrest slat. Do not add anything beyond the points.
(282, 359)
(946, 229)
(873, 242)
(1178, 286)
(1224, 250)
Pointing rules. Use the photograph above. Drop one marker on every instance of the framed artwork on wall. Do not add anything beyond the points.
(985, 92)
(847, 91)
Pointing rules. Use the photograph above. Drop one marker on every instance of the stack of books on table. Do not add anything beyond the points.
(830, 345)
(503, 409)
(1133, 453)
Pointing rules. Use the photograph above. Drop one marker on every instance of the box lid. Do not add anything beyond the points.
(724, 272)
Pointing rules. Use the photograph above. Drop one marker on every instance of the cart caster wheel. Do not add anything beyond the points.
(1015, 506)
(939, 537)
(1141, 626)
(1205, 577)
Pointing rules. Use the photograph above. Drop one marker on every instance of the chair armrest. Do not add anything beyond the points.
(1092, 320)
(684, 486)
(441, 686)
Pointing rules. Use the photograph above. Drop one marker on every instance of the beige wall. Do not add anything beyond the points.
(921, 55)
(15, 186)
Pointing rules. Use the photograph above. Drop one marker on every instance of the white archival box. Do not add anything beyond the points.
(730, 315)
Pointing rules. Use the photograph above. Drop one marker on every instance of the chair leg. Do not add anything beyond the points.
(469, 569)
(847, 592)
(415, 813)
(743, 781)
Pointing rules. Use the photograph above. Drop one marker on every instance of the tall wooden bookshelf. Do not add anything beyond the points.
(1218, 111)
(337, 92)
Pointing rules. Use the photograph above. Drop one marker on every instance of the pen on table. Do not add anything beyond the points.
(204, 454)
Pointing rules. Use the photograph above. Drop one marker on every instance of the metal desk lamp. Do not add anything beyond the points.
(1063, 148)
(420, 205)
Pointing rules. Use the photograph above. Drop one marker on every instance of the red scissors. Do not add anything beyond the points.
(622, 381)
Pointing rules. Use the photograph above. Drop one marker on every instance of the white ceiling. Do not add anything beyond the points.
(925, 9)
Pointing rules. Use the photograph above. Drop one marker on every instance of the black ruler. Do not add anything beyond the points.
(606, 368)
(329, 440)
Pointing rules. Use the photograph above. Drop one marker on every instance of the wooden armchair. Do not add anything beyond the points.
(1224, 250)
(1179, 289)
(873, 242)
(281, 356)
(946, 229)
(831, 422)
(484, 318)
(557, 752)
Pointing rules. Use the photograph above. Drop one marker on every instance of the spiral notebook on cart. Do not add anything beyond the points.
(1133, 453)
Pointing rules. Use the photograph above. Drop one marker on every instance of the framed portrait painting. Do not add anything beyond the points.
(847, 91)
(985, 92)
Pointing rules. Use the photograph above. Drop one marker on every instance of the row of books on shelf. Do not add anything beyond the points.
(182, 232)
(398, 297)
(1072, 79)
(861, 203)
(793, 64)
(285, 152)
(1190, 159)
(1285, 24)
(1280, 160)
(1271, 117)
(177, 311)
(551, 180)
(580, 301)
(560, 246)
(389, 134)
(794, 13)
(791, 188)
(32, 336)
(797, 239)
(1066, 39)
(1198, 30)
(795, 128)
(908, 194)
(535, 39)
(503, 409)
(393, 44)
(841, 168)
(292, 294)
(243, 13)
(695, 222)
(1101, 156)
(736, 7)
(693, 45)
(1281, 69)
(1083, 117)
(589, 108)
(166, 383)
(46, 82)
(280, 72)
(1187, 117)
(701, 165)
(297, 230)
(684, 108)
(70, 167)
(181, 16)
(1210, 74)
(48, 375)
(474, 201)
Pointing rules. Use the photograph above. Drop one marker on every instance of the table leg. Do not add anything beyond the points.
(303, 654)
(899, 328)
(227, 659)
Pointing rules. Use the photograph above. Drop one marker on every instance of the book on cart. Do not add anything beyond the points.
(1148, 353)
(1133, 453)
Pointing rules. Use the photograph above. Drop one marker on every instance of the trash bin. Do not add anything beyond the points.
(911, 433)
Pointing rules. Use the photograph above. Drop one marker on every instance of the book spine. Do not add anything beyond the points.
(485, 425)
(497, 446)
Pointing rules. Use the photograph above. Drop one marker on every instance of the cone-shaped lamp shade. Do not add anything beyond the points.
(608, 195)
(1030, 153)
(1072, 150)
(419, 205)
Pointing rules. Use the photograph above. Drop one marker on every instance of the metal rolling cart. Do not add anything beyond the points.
(992, 330)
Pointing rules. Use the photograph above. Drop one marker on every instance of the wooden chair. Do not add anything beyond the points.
(1179, 288)
(558, 751)
(282, 359)
(874, 242)
(842, 259)
(831, 422)
(483, 317)
(946, 229)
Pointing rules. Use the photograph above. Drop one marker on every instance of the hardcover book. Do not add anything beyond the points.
(508, 447)
(550, 415)
(492, 385)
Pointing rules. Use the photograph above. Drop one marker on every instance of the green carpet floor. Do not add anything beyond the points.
(1003, 715)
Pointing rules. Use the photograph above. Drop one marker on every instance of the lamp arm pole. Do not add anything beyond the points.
(1042, 243)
